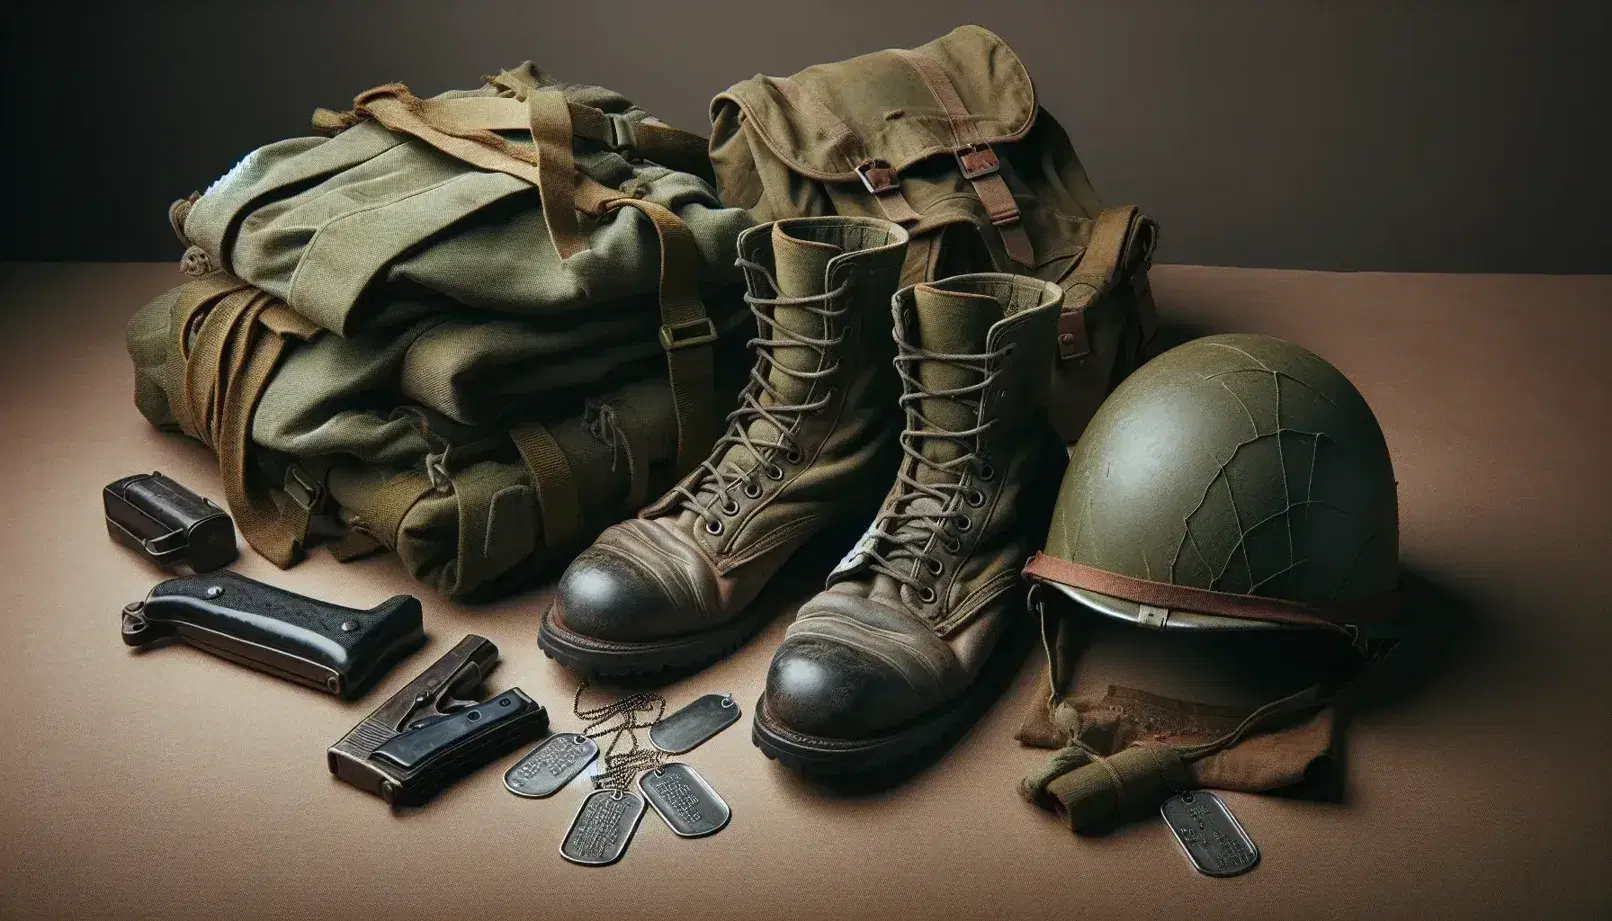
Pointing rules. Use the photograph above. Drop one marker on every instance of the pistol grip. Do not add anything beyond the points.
(326, 646)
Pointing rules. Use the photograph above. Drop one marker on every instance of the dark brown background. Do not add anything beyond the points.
(1434, 136)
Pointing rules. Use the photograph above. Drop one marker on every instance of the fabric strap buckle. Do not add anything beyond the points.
(301, 488)
(688, 334)
(878, 176)
(977, 161)
(620, 130)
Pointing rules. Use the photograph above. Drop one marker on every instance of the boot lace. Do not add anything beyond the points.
(712, 485)
(904, 540)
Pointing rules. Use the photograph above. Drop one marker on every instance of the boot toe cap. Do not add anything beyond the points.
(832, 690)
(605, 597)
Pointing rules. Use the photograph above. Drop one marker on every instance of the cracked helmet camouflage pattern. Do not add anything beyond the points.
(1235, 482)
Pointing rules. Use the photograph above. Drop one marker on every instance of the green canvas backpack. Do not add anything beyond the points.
(474, 329)
(949, 141)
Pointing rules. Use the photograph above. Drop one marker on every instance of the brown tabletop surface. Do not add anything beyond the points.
(173, 784)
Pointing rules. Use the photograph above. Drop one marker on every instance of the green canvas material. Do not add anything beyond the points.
(484, 381)
(910, 122)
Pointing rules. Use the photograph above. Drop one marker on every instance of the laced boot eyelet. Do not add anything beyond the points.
(713, 527)
(952, 544)
(927, 595)
(986, 473)
(975, 499)
(962, 523)
(774, 472)
(794, 456)
(934, 566)
(730, 508)
(752, 490)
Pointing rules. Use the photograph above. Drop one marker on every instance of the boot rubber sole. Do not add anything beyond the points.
(596, 658)
(903, 749)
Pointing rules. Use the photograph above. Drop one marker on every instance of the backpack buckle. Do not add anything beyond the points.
(977, 161)
(878, 176)
(674, 336)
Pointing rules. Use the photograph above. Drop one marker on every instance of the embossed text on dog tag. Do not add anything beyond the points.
(679, 732)
(1209, 834)
(683, 798)
(603, 827)
(551, 765)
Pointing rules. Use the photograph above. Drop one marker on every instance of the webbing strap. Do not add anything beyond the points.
(976, 159)
(1333, 615)
(549, 164)
(553, 482)
(881, 180)
(242, 337)
(383, 519)
(686, 332)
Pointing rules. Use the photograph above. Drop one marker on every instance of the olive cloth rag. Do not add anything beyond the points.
(1140, 739)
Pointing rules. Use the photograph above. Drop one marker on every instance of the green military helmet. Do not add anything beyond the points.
(1235, 482)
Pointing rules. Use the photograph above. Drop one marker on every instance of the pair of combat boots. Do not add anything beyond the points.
(937, 406)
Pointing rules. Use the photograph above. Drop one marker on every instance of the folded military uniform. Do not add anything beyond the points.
(474, 329)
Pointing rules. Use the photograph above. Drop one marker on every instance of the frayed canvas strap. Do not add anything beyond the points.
(231, 337)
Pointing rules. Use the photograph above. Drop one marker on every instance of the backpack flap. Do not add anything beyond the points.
(883, 125)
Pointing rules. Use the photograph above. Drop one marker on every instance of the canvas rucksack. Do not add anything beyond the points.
(948, 141)
(473, 329)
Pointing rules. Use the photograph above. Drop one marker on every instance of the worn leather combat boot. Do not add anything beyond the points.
(812, 445)
(907, 641)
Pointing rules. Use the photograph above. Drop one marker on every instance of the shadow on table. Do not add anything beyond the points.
(1441, 628)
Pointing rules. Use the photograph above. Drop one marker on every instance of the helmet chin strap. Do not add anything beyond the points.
(1094, 791)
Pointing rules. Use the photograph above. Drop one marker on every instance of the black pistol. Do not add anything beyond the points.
(322, 645)
(434, 729)
(168, 523)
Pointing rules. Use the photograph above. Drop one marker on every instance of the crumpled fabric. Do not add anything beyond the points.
(1125, 740)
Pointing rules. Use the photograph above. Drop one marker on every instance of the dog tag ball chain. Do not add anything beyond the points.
(609, 816)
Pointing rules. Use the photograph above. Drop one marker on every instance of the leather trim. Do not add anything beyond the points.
(1204, 601)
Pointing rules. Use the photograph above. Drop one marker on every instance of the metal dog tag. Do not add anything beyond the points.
(683, 798)
(551, 765)
(684, 730)
(1209, 834)
(603, 827)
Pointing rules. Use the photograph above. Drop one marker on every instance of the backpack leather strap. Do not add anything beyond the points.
(881, 180)
(976, 160)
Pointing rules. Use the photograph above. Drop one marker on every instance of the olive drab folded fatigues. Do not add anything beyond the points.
(476, 328)
(948, 140)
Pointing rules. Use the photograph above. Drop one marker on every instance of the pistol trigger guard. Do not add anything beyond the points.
(448, 705)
